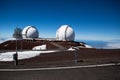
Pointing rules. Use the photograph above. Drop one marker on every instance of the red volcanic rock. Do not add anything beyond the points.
(85, 54)
(28, 44)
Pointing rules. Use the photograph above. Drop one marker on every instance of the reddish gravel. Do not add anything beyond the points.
(26, 44)
(83, 54)
(62, 58)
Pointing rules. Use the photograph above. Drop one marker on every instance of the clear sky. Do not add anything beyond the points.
(90, 19)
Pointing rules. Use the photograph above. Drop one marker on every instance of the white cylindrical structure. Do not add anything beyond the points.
(30, 32)
(65, 32)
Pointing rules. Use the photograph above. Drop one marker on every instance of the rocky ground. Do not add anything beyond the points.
(63, 59)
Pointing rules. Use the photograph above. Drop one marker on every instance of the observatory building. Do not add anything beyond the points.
(30, 32)
(65, 33)
(32, 45)
(65, 39)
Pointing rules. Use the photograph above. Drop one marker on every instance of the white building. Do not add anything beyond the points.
(65, 32)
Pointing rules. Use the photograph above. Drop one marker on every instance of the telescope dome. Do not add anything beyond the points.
(65, 32)
(30, 32)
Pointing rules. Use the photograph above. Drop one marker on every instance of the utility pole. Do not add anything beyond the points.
(15, 56)
(17, 34)
(75, 57)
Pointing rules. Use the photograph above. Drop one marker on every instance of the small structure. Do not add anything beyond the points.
(15, 58)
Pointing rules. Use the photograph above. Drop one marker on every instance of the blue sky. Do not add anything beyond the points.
(90, 19)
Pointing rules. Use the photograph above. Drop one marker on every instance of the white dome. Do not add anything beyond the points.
(65, 32)
(30, 32)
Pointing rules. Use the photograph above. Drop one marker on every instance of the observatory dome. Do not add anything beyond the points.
(65, 32)
(30, 32)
